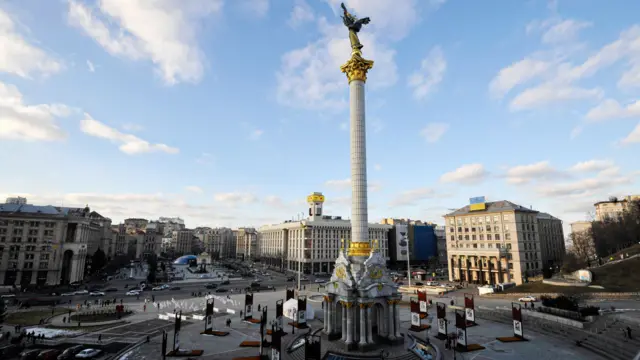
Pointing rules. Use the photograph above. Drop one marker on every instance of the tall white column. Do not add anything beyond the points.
(396, 319)
(359, 215)
(369, 324)
(344, 322)
(391, 334)
(349, 328)
(363, 324)
(331, 317)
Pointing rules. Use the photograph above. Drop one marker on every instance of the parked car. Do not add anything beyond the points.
(96, 293)
(70, 352)
(49, 354)
(528, 299)
(226, 282)
(174, 288)
(318, 281)
(88, 353)
(291, 278)
(111, 289)
(221, 290)
(30, 354)
(68, 294)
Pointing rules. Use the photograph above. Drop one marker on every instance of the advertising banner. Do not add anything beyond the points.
(302, 310)
(469, 308)
(276, 344)
(176, 332)
(263, 327)
(441, 311)
(290, 294)
(208, 320)
(248, 306)
(461, 328)
(422, 298)
(280, 315)
(164, 344)
(415, 312)
(516, 313)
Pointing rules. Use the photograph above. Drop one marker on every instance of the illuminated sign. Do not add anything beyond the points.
(315, 198)
(477, 203)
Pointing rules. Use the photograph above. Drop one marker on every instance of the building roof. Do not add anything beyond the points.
(493, 207)
(546, 216)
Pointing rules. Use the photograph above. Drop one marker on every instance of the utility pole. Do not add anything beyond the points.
(408, 254)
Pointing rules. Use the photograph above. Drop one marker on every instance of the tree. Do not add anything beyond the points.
(152, 261)
(3, 310)
(571, 263)
(582, 245)
(615, 234)
(98, 260)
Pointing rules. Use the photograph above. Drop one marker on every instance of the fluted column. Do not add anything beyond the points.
(325, 316)
(330, 317)
(396, 319)
(391, 334)
(363, 324)
(369, 323)
(349, 328)
(344, 321)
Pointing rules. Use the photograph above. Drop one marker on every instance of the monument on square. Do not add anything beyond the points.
(361, 301)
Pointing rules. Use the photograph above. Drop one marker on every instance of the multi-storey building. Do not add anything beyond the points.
(312, 245)
(443, 260)
(219, 243)
(119, 234)
(16, 200)
(246, 243)
(153, 239)
(493, 242)
(551, 235)
(45, 244)
(171, 224)
(416, 242)
(613, 208)
(182, 241)
(134, 224)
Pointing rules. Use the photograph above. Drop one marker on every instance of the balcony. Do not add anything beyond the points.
(478, 252)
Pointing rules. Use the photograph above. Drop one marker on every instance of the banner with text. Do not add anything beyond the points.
(516, 314)
(280, 315)
(208, 321)
(415, 312)
(441, 311)
(422, 298)
(461, 328)
(469, 308)
(248, 306)
(302, 310)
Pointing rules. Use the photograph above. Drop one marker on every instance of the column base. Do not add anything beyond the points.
(396, 340)
(365, 346)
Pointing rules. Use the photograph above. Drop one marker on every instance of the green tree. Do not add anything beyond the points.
(152, 261)
(98, 260)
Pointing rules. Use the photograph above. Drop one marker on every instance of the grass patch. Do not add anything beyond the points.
(620, 277)
(28, 318)
(98, 317)
(632, 250)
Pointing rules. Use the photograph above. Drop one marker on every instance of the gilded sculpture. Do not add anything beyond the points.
(354, 25)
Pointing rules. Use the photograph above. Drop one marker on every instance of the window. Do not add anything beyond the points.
(505, 217)
(488, 227)
(480, 220)
(452, 222)
(473, 237)
(496, 228)
(453, 237)
(506, 227)
(481, 236)
(473, 229)
(497, 237)
(481, 246)
(459, 229)
(490, 246)
(459, 237)
(487, 219)
(495, 218)
(488, 236)
(466, 229)
(466, 237)
(459, 221)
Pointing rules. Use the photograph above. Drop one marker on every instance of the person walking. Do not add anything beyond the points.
(629, 332)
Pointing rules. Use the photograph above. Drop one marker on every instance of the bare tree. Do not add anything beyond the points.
(582, 245)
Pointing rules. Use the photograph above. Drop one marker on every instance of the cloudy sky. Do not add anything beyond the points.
(230, 112)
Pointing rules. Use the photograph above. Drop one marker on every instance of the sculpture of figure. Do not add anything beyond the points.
(354, 25)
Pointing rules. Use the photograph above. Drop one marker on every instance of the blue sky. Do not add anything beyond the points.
(231, 112)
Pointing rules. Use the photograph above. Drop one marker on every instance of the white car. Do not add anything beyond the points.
(133, 293)
(528, 299)
(161, 287)
(96, 293)
(318, 281)
(68, 294)
(88, 353)
(81, 292)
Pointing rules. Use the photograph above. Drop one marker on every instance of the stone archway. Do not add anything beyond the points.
(378, 322)
(67, 262)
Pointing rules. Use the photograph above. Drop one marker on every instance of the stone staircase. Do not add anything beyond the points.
(607, 347)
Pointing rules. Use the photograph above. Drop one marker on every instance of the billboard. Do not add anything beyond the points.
(248, 306)
(176, 332)
(461, 328)
(477, 203)
(441, 312)
(415, 313)
(469, 308)
(516, 314)
(291, 293)
(422, 299)
(302, 311)
(276, 344)
(280, 315)
(208, 323)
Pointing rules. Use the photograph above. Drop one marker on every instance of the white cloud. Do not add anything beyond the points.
(564, 31)
(523, 174)
(128, 144)
(516, 74)
(431, 72)
(194, 189)
(90, 66)
(301, 14)
(132, 127)
(594, 165)
(575, 132)
(256, 134)
(582, 187)
(205, 159)
(20, 57)
(377, 167)
(413, 197)
(465, 174)
(19, 121)
(633, 137)
(611, 109)
(235, 197)
(310, 77)
(258, 8)
(163, 32)
(550, 93)
(434, 131)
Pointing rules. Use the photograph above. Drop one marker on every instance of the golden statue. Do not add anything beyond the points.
(354, 25)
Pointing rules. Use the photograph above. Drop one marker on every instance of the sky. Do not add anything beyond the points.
(230, 112)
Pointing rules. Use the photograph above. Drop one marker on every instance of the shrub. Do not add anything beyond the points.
(561, 302)
(590, 311)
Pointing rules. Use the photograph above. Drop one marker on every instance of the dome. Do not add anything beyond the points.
(184, 260)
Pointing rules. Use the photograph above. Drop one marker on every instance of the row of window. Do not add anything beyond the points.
(21, 223)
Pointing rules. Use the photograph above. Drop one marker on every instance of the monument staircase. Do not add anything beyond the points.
(607, 347)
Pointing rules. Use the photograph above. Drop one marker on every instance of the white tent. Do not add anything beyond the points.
(290, 309)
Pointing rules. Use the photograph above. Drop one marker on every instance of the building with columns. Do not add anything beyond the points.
(312, 245)
(246, 240)
(47, 245)
(499, 242)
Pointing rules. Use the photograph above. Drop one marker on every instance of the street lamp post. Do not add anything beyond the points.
(408, 254)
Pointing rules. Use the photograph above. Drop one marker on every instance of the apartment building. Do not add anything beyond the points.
(182, 241)
(551, 235)
(220, 242)
(442, 247)
(613, 208)
(134, 224)
(246, 240)
(46, 245)
(495, 242)
(312, 245)
(152, 243)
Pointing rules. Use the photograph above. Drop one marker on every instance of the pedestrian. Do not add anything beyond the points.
(99, 338)
(240, 313)
(525, 305)
(533, 306)
(144, 308)
(624, 333)
(258, 307)
(629, 332)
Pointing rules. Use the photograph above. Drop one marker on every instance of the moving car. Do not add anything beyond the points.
(318, 281)
(211, 286)
(111, 289)
(221, 290)
(528, 299)
(175, 288)
(49, 354)
(96, 293)
(30, 354)
(226, 282)
(160, 288)
(68, 294)
(81, 292)
(88, 353)
(132, 293)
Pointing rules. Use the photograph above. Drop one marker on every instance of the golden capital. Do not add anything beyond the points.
(356, 68)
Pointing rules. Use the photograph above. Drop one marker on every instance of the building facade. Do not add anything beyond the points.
(246, 240)
(182, 241)
(416, 241)
(552, 247)
(45, 245)
(443, 260)
(613, 208)
(496, 242)
(219, 243)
